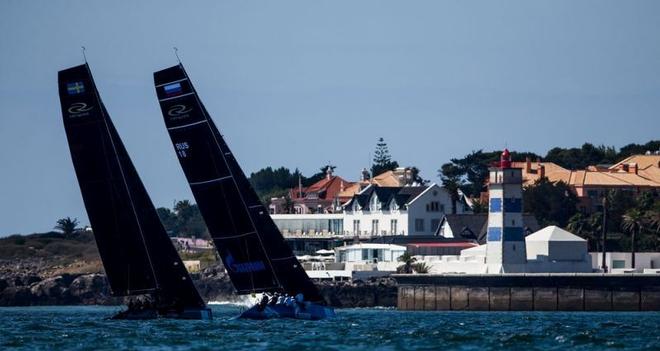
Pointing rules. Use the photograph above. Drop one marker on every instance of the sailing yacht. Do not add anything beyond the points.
(137, 254)
(253, 251)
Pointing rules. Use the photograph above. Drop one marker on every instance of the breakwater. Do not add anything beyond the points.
(529, 292)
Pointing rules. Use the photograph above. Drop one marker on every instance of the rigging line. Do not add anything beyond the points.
(176, 53)
(186, 125)
(175, 97)
(123, 177)
(210, 181)
(83, 52)
(234, 236)
(283, 258)
(233, 178)
(172, 82)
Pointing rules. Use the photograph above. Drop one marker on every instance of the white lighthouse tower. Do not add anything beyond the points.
(505, 249)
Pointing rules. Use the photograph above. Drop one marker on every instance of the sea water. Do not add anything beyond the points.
(87, 328)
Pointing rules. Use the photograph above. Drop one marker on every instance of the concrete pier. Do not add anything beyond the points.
(529, 292)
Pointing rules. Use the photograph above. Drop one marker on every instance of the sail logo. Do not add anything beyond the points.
(178, 112)
(244, 267)
(75, 88)
(79, 109)
(173, 89)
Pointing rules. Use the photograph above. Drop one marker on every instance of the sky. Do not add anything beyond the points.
(304, 83)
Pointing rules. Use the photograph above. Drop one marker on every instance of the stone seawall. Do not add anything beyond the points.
(529, 292)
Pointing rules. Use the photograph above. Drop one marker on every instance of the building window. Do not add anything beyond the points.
(374, 227)
(618, 264)
(393, 206)
(356, 226)
(419, 224)
(393, 224)
(435, 223)
(365, 254)
(375, 204)
(433, 206)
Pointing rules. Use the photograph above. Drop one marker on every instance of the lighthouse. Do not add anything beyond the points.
(505, 248)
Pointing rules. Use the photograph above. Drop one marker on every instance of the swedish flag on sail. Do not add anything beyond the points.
(75, 88)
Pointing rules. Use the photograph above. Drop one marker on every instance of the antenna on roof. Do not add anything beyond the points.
(176, 53)
(83, 52)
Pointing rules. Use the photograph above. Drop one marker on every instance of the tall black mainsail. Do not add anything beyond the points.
(253, 250)
(137, 254)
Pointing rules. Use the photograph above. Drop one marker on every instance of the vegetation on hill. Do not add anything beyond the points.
(51, 245)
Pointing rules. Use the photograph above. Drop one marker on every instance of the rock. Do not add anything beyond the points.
(51, 291)
(90, 289)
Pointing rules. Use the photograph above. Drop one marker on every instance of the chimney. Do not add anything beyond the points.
(528, 165)
(632, 168)
(541, 170)
(341, 186)
(365, 175)
(328, 173)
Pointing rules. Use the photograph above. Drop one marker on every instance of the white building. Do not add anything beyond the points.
(621, 262)
(309, 224)
(370, 257)
(409, 210)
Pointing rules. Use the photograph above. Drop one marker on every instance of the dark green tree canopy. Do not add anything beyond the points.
(184, 220)
(551, 203)
(382, 161)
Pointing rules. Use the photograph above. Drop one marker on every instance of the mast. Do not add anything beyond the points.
(253, 250)
(137, 254)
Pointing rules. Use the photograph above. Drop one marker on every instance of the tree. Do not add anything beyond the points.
(189, 221)
(551, 203)
(415, 178)
(452, 181)
(633, 224)
(408, 261)
(168, 218)
(588, 227)
(479, 206)
(382, 159)
(67, 226)
(323, 171)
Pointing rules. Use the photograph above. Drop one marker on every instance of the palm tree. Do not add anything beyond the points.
(633, 223)
(586, 227)
(408, 261)
(67, 226)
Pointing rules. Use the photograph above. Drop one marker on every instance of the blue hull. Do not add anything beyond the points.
(310, 312)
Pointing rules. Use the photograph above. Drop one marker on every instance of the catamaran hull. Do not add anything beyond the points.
(311, 312)
(195, 314)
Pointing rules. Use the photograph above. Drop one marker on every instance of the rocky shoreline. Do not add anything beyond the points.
(31, 283)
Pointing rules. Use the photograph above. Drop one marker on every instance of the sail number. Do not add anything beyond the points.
(182, 149)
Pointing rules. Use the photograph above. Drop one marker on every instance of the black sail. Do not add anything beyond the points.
(137, 254)
(253, 250)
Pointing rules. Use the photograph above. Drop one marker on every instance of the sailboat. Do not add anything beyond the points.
(254, 252)
(137, 254)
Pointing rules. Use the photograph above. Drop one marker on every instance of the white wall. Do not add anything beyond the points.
(643, 260)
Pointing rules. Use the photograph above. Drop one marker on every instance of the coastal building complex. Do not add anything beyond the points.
(637, 173)
(507, 248)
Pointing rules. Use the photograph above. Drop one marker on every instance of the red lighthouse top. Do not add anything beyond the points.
(505, 159)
